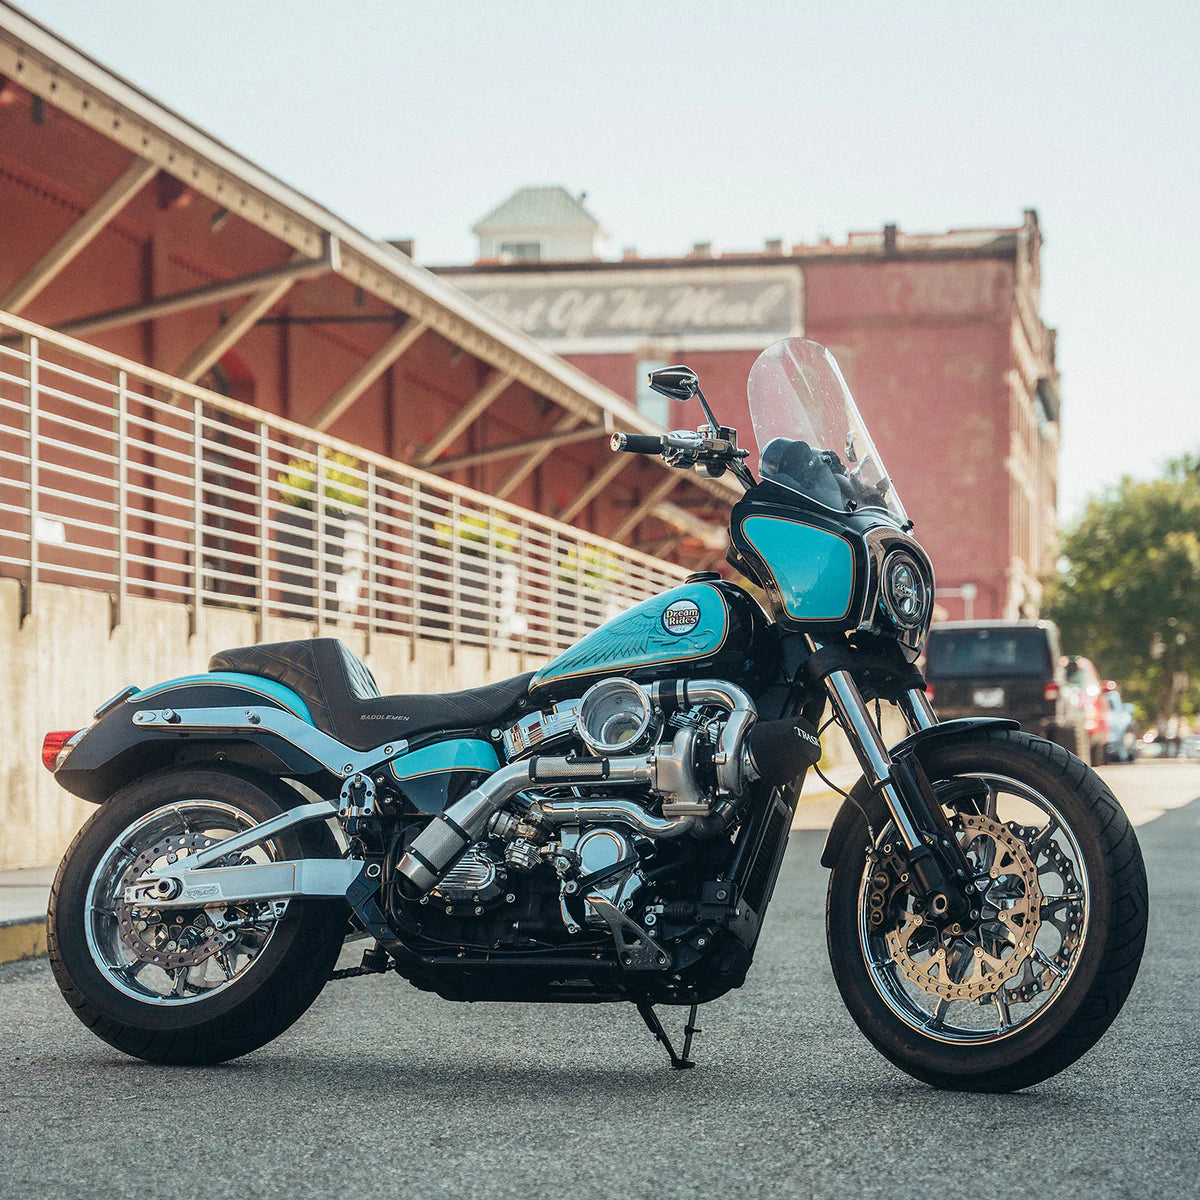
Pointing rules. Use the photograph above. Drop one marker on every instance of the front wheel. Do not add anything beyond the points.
(187, 986)
(1038, 974)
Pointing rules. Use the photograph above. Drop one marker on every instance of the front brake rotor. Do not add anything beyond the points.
(172, 938)
(997, 946)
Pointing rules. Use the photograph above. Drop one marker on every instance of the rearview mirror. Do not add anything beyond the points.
(679, 382)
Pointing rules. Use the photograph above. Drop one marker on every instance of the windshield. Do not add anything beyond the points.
(810, 436)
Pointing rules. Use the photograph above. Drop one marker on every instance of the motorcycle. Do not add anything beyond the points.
(611, 826)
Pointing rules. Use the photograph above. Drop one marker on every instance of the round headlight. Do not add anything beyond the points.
(614, 716)
(905, 591)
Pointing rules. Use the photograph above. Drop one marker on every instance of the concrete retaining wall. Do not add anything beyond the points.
(64, 661)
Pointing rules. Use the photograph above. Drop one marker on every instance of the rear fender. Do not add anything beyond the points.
(917, 743)
(115, 750)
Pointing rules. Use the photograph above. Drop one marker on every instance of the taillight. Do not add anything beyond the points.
(1051, 691)
(56, 746)
(929, 691)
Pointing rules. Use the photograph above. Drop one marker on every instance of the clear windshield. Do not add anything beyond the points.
(810, 436)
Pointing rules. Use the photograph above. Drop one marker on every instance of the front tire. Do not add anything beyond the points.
(1036, 981)
(186, 989)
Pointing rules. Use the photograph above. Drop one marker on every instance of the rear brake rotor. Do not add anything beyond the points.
(171, 938)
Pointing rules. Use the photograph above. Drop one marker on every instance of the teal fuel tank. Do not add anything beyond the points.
(698, 627)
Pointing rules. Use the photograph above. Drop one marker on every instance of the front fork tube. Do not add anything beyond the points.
(868, 745)
(933, 854)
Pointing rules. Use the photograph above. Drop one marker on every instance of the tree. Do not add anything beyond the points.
(1128, 594)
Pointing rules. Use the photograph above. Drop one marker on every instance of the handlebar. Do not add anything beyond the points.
(637, 443)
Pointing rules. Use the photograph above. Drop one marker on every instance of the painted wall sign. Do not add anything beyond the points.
(617, 311)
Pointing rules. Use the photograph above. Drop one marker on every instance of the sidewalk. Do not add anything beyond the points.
(24, 895)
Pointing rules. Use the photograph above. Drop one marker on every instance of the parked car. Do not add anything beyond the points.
(1123, 742)
(1005, 669)
(1084, 680)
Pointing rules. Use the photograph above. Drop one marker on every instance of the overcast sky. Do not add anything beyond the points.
(732, 123)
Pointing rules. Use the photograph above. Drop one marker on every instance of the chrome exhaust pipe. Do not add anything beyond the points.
(439, 844)
(436, 847)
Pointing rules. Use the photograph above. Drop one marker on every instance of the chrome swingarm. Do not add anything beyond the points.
(196, 888)
(193, 881)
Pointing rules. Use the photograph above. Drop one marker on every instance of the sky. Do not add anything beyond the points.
(732, 123)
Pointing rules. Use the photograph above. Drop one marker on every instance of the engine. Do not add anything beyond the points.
(610, 819)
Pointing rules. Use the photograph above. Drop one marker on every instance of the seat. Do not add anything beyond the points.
(344, 699)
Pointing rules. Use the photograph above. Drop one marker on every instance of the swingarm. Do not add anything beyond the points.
(195, 880)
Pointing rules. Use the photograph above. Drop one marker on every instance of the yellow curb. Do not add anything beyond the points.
(22, 939)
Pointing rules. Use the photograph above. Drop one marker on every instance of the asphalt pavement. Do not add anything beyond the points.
(381, 1090)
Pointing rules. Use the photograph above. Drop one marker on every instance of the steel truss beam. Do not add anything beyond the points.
(598, 483)
(114, 198)
(522, 470)
(470, 412)
(212, 293)
(231, 332)
(510, 449)
(366, 375)
(659, 492)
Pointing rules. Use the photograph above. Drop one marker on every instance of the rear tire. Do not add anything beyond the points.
(261, 1000)
(1048, 1031)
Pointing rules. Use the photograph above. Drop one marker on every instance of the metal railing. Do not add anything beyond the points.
(117, 477)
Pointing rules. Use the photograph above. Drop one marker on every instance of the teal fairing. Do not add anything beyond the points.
(429, 777)
(823, 573)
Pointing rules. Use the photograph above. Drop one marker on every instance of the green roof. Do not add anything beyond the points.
(538, 208)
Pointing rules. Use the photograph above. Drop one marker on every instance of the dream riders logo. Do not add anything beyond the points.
(681, 617)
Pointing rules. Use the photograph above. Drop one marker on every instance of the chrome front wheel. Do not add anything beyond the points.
(990, 977)
(1036, 974)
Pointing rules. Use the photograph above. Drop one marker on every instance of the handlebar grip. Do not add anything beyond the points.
(637, 443)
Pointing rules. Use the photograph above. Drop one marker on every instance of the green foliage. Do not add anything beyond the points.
(343, 488)
(589, 565)
(1130, 588)
(476, 530)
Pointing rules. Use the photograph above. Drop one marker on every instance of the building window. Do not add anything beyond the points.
(516, 251)
(649, 402)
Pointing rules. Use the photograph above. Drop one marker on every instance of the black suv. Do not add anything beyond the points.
(1005, 669)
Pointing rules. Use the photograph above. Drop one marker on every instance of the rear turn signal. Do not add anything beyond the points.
(56, 746)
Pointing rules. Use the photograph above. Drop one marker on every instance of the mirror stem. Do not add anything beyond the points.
(712, 421)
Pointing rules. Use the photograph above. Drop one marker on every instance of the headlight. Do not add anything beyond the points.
(905, 591)
(615, 715)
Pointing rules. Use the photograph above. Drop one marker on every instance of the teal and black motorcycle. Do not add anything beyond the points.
(611, 826)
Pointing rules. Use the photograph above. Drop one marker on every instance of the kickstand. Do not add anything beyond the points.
(679, 1062)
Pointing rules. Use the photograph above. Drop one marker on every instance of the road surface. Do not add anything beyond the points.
(384, 1091)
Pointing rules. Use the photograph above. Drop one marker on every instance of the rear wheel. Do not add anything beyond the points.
(1044, 966)
(187, 986)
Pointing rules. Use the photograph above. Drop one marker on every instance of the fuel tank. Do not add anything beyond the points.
(705, 626)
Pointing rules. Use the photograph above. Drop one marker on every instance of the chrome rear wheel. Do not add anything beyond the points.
(175, 956)
(197, 985)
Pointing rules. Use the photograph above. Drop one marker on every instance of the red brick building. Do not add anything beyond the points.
(939, 335)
